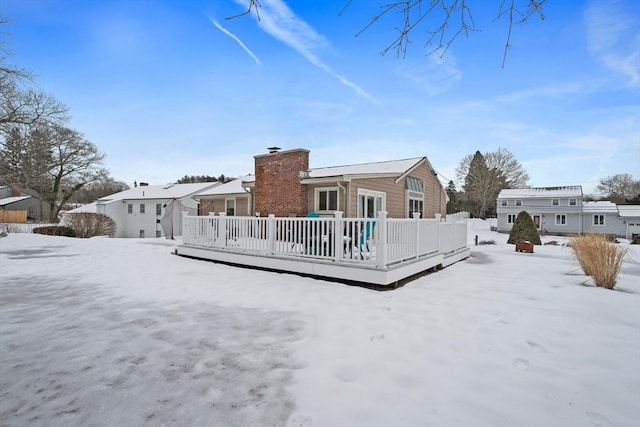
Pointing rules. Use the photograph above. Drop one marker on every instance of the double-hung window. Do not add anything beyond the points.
(130, 208)
(518, 202)
(555, 202)
(503, 202)
(327, 199)
(561, 219)
(158, 209)
(511, 218)
(230, 205)
(142, 208)
(415, 197)
(598, 219)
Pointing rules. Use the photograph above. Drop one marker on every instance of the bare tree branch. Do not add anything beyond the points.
(449, 19)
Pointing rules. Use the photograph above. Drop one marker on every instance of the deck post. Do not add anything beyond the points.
(381, 239)
(416, 218)
(439, 221)
(338, 236)
(186, 229)
(271, 233)
(221, 238)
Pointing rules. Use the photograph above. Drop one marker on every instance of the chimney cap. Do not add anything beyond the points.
(273, 149)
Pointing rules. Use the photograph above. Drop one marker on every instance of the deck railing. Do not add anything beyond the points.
(379, 242)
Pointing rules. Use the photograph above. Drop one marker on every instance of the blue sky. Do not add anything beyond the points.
(168, 87)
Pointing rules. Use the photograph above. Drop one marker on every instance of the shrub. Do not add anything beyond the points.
(636, 240)
(55, 230)
(89, 224)
(524, 229)
(598, 258)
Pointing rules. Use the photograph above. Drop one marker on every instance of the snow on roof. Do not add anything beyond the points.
(567, 191)
(394, 167)
(599, 207)
(89, 208)
(629, 210)
(168, 191)
(231, 187)
(8, 200)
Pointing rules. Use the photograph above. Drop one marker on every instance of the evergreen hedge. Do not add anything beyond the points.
(524, 229)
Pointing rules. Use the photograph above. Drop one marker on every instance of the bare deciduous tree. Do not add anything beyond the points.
(53, 160)
(21, 104)
(620, 187)
(505, 164)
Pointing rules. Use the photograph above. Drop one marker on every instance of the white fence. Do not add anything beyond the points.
(458, 216)
(379, 242)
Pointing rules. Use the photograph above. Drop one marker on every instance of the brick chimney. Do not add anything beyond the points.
(278, 189)
(15, 190)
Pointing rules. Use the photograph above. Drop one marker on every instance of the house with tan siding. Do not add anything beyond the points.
(285, 185)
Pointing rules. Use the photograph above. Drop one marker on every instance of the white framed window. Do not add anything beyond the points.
(518, 202)
(158, 209)
(370, 203)
(326, 199)
(230, 206)
(511, 218)
(555, 202)
(573, 202)
(598, 219)
(503, 202)
(415, 203)
(130, 208)
(142, 208)
(561, 219)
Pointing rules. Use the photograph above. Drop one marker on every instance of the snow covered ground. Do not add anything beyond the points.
(120, 332)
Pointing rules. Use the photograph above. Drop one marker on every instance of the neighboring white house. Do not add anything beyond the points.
(562, 211)
(556, 210)
(149, 210)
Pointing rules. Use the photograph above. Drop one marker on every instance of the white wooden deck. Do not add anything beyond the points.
(378, 252)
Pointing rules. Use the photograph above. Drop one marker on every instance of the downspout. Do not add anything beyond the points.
(250, 209)
(341, 187)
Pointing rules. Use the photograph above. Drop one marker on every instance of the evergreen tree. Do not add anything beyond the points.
(481, 185)
(524, 229)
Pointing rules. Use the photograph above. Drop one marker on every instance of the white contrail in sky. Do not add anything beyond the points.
(281, 23)
(233, 36)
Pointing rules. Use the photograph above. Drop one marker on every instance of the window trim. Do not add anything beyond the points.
(555, 202)
(142, 208)
(518, 202)
(130, 208)
(511, 218)
(316, 200)
(599, 217)
(226, 205)
(363, 192)
(575, 202)
(158, 209)
(415, 197)
(504, 202)
(563, 218)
